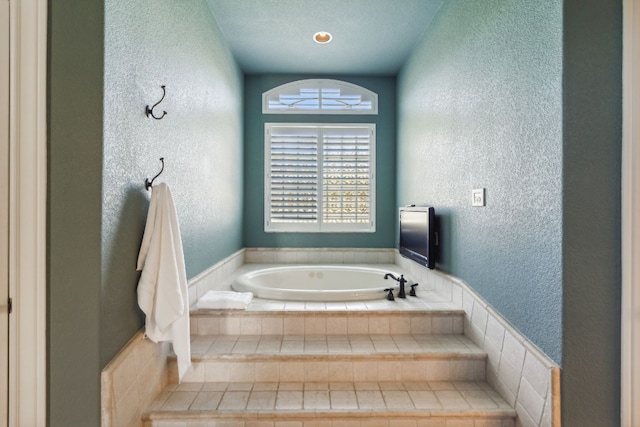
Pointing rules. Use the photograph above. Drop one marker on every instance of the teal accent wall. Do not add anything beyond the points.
(107, 61)
(524, 99)
(254, 235)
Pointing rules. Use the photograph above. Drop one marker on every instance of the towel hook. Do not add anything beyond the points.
(149, 111)
(148, 183)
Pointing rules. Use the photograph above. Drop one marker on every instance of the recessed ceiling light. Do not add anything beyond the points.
(322, 37)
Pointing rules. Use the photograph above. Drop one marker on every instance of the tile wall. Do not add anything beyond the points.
(132, 380)
(524, 376)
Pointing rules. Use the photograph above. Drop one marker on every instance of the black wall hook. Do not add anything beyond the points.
(149, 111)
(148, 183)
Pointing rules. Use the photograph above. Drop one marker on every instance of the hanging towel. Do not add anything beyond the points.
(162, 289)
(224, 300)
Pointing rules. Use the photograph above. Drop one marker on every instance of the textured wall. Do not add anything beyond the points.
(480, 106)
(107, 61)
(254, 235)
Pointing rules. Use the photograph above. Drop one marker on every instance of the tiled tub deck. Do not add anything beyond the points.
(419, 362)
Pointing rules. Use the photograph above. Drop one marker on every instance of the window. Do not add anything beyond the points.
(319, 97)
(320, 177)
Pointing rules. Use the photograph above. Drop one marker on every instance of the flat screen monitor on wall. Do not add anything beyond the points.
(418, 237)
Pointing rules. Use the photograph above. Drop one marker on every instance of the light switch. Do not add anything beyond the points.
(477, 197)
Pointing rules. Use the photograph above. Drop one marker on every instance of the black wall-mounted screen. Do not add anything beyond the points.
(418, 235)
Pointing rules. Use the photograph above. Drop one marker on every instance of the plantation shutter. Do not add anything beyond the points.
(319, 178)
(293, 174)
(346, 175)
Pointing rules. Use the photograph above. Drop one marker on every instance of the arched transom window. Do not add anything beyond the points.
(319, 96)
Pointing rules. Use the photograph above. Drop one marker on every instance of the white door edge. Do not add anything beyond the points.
(27, 212)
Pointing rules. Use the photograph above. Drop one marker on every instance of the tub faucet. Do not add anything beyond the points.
(400, 280)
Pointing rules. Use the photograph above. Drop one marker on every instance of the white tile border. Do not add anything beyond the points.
(520, 372)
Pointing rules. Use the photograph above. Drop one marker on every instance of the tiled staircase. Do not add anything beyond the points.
(283, 367)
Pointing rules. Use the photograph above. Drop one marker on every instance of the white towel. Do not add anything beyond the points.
(225, 300)
(162, 289)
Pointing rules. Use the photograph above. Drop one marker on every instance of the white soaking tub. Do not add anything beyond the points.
(317, 282)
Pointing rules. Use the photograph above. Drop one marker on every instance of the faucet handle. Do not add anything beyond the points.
(390, 295)
(412, 292)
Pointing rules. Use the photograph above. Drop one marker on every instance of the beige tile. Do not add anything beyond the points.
(397, 400)
(124, 377)
(337, 325)
(293, 325)
(289, 399)
(234, 400)
(315, 326)
(414, 371)
(379, 325)
(365, 371)
(343, 399)
(179, 401)
(128, 406)
(389, 371)
(421, 325)
(340, 371)
(437, 370)
(291, 371)
(273, 326)
(267, 371)
(316, 399)
(207, 326)
(425, 399)
(479, 399)
(262, 400)
(399, 325)
(462, 370)
(206, 401)
(229, 326)
(370, 399)
(452, 399)
(316, 371)
(358, 325)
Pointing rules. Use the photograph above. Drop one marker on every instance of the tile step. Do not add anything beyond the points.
(341, 403)
(326, 358)
(327, 322)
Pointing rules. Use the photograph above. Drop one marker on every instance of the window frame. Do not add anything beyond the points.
(296, 86)
(319, 226)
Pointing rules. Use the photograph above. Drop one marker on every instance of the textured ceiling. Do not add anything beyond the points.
(370, 37)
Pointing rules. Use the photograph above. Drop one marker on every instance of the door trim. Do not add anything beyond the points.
(27, 212)
(630, 302)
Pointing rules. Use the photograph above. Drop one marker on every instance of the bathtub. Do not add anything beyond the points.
(317, 282)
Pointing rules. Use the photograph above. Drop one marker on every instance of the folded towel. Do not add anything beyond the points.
(225, 300)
